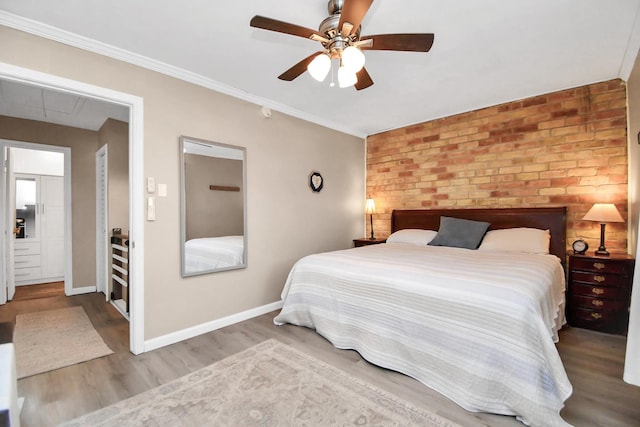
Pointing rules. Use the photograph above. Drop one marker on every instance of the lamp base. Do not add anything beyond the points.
(371, 221)
(602, 251)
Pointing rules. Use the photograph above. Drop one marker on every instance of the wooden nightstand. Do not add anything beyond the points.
(599, 292)
(365, 241)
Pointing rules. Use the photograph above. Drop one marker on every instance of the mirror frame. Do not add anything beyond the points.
(183, 207)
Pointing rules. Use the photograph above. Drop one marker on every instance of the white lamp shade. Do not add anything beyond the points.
(346, 77)
(353, 59)
(319, 67)
(602, 213)
(371, 206)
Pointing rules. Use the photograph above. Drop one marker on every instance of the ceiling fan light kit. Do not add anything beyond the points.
(340, 37)
(319, 67)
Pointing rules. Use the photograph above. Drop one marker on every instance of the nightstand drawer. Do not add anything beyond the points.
(591, 319)
(599, 279)
(599, 291)
(611, 266)
(581, 301)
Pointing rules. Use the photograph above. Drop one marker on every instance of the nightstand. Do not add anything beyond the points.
(366, 241)
(599, 292)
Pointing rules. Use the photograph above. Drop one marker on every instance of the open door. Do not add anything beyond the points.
(9, 225)
(102, 234)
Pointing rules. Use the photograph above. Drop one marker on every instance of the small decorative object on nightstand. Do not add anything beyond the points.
(599, 292)
(367, 241)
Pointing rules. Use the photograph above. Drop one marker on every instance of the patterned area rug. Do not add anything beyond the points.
(270, 384)
(53, 339)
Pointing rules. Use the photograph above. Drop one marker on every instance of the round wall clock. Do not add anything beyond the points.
(580, 247)
(316, 182)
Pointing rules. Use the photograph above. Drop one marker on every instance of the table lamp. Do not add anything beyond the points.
(603, 213)
(371, 209)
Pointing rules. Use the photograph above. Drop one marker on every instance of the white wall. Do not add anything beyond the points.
(285, 219)
(632, 359)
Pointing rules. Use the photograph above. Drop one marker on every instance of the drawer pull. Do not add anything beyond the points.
(597, 303)
(597, 291)
(599, 279)
(598, 265)
(596, 316)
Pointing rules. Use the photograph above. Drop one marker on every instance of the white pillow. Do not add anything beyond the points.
(412, 236)
(530, 240)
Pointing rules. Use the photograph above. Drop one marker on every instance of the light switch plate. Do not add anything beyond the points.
(151, 209)
(151, 185)
(162, 190)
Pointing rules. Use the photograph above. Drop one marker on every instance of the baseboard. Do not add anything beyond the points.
(174, 337)
(78, 291)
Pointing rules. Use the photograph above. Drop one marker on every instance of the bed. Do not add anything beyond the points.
(210, 253)
(478, 326)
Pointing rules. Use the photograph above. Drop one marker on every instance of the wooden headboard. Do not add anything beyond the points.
(552, 219)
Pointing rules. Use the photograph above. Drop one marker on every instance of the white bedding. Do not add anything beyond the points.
(209, 253)
(478, 327)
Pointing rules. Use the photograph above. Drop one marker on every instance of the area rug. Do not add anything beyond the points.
(53, 339)
(270, 384)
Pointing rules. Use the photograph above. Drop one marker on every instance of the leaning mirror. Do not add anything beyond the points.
(213, 205)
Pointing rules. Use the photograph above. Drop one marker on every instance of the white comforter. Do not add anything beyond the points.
(478, 327)
(210, 253)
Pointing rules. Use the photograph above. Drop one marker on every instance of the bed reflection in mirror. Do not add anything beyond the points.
(213, 204)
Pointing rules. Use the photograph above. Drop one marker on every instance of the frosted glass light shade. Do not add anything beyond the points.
(346, 77)
(353, 59)
(602, 213)
(319, 67)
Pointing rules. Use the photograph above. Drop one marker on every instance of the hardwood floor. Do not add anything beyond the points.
(594, 363)
(44, 290)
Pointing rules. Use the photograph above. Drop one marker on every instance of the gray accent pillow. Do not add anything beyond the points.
(460, 233)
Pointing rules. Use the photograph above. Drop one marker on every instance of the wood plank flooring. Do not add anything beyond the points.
(44, 290)
(594, 363)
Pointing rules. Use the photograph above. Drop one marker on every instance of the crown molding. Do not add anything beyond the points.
(65, 37)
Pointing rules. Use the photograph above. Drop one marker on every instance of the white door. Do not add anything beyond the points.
(7, 226)
(102, 242)
(10, 204)
(52, 227)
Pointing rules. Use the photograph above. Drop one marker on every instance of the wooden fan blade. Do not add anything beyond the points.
(402, 42)
(286, 28)
(364, 79)
(352, 12)
(298, 69)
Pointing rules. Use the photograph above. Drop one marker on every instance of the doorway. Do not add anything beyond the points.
(136, 189)
(37, 211)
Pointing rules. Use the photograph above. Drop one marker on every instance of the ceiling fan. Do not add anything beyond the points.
(340, 37)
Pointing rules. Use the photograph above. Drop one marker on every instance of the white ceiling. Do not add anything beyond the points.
(485, 52)
(46, 105)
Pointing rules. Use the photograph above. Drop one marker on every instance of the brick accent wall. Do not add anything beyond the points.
(567, 148)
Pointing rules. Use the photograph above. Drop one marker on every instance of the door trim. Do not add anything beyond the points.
(102, 232)
(136, 177)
